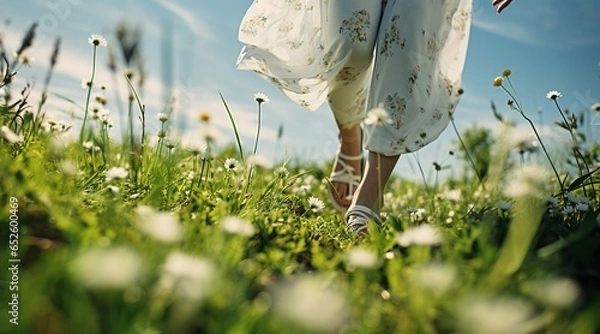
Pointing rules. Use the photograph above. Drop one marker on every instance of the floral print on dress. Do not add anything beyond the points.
(356, 26)
(253, 25)
(392, 38)
(419, 47)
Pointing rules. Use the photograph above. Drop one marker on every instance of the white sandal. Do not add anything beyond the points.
(358, 217)
(344, 175)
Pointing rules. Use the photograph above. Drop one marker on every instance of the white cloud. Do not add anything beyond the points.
(192, 22)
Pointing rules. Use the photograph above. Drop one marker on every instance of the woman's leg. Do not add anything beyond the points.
(355, 22)
(420, 54)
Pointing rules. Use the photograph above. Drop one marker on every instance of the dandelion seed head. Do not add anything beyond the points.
(97, 40)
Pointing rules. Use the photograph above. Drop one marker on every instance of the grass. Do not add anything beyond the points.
(114, 238)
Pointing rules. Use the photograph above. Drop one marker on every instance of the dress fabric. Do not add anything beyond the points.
(406, 56)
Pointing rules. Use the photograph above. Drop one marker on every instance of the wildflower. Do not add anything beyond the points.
(106, 121)
(567, 210)
(113, 189)
(361, 258)
(210, 136)
(162, 133)
(97, 40)
(452, 195)
(528, 180)
(556, 292)
(390, 255)
(68, 168)
(378, 116)
(187, 277)
(312, 303)
(483, 314)
(107, 268)
(577, 199)
(504, 205)
(553, 95)
(282, 172)
(235, 225)
(86, 83)
(204, 116)
(116, 173)
(507, 72)
(498, 81)
(231, 164)
(553, 201)
(261, 98)
(582, 207)
(162, 117)
(161, 226)
(100, 99)
(595, 106)
(10, 136)
(435, 277)
(315, 204)
(424, 235)
(26, 59)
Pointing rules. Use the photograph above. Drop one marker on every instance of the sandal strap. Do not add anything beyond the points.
(358, 216)
(350, 157)
(346, 174)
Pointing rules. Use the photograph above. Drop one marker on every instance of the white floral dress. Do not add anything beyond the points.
(406, 56)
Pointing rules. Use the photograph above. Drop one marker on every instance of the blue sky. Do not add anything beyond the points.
(548, 45)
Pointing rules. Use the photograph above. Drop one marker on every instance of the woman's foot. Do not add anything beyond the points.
(347, 168)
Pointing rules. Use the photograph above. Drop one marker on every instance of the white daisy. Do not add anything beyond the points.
(424, 235)
(116, 173)
(378, 116)
(261, 98)
(235, 225)
(231, 164)
(161, 226)
(361, 258)
(315, 204)
(553, 95)
(97, 40)
(107, 268)
(162, 117)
